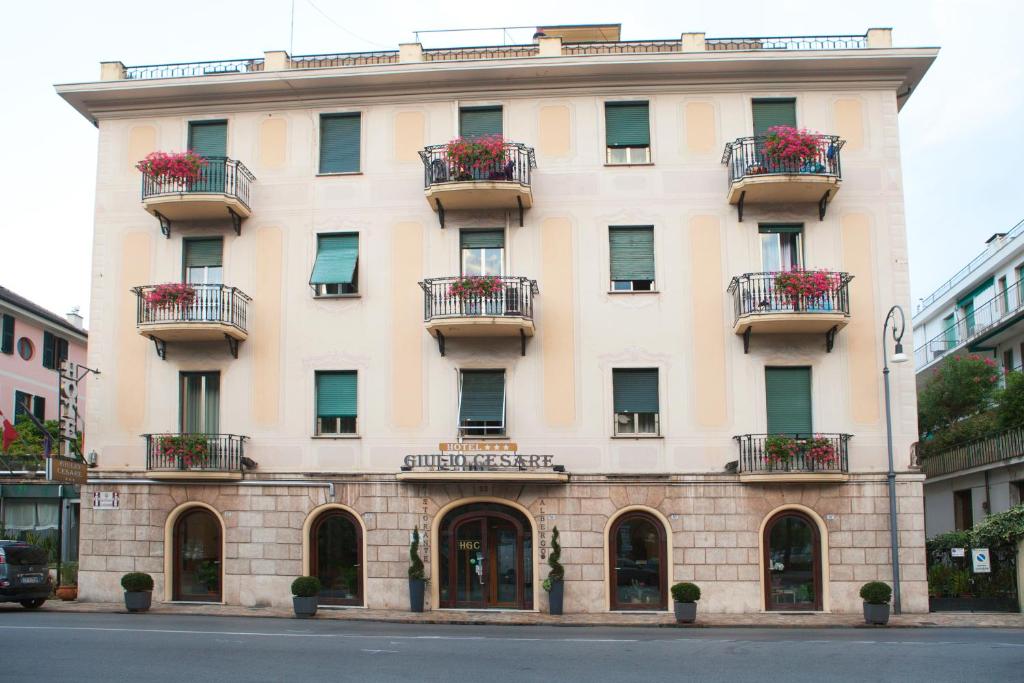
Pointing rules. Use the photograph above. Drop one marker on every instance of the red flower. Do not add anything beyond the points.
(180, 166)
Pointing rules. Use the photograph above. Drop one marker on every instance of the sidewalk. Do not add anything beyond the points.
(766, 620)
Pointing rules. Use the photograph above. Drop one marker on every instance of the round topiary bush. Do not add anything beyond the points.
(137, 582)
(305, 587)
(686, 592)
(876, 593)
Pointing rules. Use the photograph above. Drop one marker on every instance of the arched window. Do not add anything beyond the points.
(198, 566)
(336, 547)
(792, 562)
(639, 566)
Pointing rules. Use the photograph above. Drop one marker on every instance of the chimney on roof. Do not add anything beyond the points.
(75, 318)
(996, 239)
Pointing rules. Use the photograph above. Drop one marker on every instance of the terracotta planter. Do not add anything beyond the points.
(67, 593)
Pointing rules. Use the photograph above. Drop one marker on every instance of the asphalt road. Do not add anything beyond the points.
(38, 647)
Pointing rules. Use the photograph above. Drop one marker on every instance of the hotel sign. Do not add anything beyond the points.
(66, 470)
(481, 460)
(476, 461)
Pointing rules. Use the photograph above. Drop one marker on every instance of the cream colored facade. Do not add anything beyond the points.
(559, 394)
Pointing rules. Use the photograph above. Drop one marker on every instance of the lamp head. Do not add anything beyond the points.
(898, 356)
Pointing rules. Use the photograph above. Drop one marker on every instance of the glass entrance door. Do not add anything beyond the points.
(792, 563)
(197, 557)
(470, 568)
(485, 561)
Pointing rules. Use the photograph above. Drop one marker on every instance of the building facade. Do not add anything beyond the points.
(570, 317)
(979, 311)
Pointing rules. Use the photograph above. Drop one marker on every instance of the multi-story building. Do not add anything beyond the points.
(578, 325)
(978, 311)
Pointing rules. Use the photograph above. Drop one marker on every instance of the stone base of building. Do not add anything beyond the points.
(624, 540)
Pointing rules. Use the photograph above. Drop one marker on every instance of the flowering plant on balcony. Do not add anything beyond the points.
(478, 158)
(806, 285)
(781, 450)
(190, 450)
(475, 286)
(181, 166)
(794, 148)
(819, 451)
(170, 295)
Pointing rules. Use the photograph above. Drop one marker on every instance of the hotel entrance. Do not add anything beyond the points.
(485, 553)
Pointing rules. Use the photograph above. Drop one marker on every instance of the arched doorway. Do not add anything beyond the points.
(638, 562)
(336, 557)
(198, 566)
(792, 562)
(485, 558)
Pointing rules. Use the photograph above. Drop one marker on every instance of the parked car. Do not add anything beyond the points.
(24, 574)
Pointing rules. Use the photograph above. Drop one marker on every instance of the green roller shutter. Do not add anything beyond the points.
(48, 349)
(768, 113)
(336, 258)
(969, 298)
(476, 122)
(631, 252)
(20, 401)
(208, 138)
(336, 394)
(7, 336)
(483, 396)
(206, 252)
(482, 239)
(627, 124)
(39, 408)
(788, 397)
(339, 143)
(781, 229)
(635, 390)
(950, 331)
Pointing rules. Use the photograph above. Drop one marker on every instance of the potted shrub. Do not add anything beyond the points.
(876, 596)
(781, 451)
(477, 158)
(555, 583)
(417, 580)
(182, 167)
(138, 591)
(68, 589)
(792, 149)
(820, 452)
(685, 595)
(305, 590)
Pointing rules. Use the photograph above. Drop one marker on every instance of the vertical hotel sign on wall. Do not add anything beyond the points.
(68, 467)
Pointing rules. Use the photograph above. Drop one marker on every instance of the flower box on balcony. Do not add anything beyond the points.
(185, 167)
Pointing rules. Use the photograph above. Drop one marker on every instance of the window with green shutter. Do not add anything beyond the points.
(631, 257)
(55, 349)
(7, 334)
(203, 261)
(482, 402)
(208, 138)
(635, 398)
(627, 132)
(22, 400)
(39, 407)
(339, 143)
(788, 400)
(336, 269)
(477, 122)
(482, 252)
(773, 112)
(336, 402)
(949, 331)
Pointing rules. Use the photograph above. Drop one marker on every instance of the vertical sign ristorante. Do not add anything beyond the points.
(68, 408)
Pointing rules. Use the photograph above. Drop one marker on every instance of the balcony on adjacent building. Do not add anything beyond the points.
(458, 183)
(484, 306)
(1006, 447)
(195, 456)
(788, 458)
(221, 192)
(791, 302)
(176, 312)
(757, 177)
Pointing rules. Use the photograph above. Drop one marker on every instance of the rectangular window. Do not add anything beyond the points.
(22, 400)
(339, 143)
(39, 407)
(788, 400)
(949, 332)
(7, 335)
(336, 402)
(336, 269)
(478, 122)
(1007, 361)
(635, 395)
(200, 403)
(627, 132)
(1004, 296)
(482, 251)
(773, 112)
(1020, 285)
(55, 350)
(208, 138)
(203, 261)
(482, 403)
(631, 256)
(963, 510)
(781, 247)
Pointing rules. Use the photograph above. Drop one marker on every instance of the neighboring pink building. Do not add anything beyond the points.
(32, 343)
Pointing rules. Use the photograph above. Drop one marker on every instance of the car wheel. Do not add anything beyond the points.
(33, 604)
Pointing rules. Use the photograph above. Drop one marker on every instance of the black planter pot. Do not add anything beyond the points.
(416, 590)
(304, 607)
(876, 614)
(138, 601)
(686, 612)
(555, 597)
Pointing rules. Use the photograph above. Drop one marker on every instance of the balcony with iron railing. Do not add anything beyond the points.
(195, 456)
(482, 307)
(756, 176)
(782, 458)
(797, 302)
(459, 181)
(191, 313)
(221, 192)
(1005, 446)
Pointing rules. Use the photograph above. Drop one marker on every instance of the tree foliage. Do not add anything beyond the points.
(962, 386)
(557, 572)
(415, 563)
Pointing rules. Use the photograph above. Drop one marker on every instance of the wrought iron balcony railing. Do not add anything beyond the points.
(746, 158)
(512, 297)
(194, 452)
(220, 175)
(999, 448)
(514, 166)
(211, 304)
(823, 453)
(760, 294)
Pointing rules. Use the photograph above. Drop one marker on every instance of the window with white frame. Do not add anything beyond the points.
(635, 395)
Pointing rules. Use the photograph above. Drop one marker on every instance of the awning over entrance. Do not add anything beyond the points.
(37, 491)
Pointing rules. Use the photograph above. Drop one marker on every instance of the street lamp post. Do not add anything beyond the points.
(896, 316)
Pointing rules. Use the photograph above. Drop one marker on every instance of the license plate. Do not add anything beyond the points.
(33, 578)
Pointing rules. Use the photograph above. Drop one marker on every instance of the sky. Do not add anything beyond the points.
(961, 132)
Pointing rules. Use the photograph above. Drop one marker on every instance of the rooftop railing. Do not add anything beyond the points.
(807, 453)
(455, 54)
(621, 47)
(344, 59)
(788, 43)
(987, 451)
(187, 69)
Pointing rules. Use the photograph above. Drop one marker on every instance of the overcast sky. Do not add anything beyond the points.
(961, 132)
